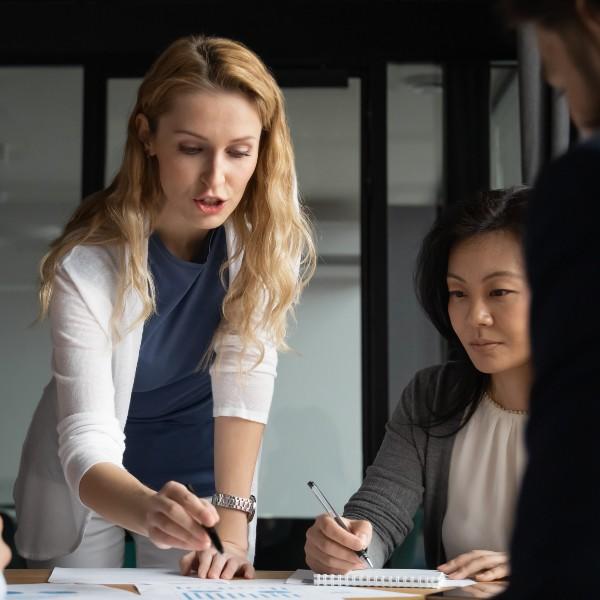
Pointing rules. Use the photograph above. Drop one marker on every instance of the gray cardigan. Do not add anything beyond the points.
(411, 469)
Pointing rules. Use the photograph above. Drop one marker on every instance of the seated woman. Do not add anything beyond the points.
(455, 442)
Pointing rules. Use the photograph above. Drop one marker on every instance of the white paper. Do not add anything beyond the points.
(126, 576)
(274, 589)
(450, 583)
(50, 591)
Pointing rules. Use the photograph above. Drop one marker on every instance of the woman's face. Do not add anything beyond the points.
(571, 61)
(207, 149)
(489, 301)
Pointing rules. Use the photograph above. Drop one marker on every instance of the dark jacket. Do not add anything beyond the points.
(555, 545)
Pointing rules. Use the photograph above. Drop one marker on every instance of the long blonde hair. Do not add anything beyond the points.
(274, 236)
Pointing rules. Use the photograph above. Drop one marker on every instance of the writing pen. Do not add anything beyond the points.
(332, 513)
(212, 532)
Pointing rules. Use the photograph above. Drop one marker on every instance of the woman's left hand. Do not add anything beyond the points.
(209, 564)
(481, 565)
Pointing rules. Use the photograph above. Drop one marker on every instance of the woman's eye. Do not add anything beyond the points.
(500, 292)
(456, 294)
(190, 149)
(239, 153)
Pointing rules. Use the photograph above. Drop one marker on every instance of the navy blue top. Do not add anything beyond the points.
(169, 429)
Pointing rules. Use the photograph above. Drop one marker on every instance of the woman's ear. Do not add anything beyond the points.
(144, 133)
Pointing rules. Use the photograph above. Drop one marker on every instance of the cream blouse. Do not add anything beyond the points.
(488, 459)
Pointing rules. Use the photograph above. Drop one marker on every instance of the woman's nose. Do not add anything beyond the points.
(480, 316)
(213, 174)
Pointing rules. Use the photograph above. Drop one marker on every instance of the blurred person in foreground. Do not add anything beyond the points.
(557, 529)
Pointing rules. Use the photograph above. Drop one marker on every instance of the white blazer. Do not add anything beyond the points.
(81, 417)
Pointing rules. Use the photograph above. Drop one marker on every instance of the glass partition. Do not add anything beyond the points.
(415, 181)
(41, 112)
(505, 130)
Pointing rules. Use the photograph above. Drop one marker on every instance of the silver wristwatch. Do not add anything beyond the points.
(247, 505)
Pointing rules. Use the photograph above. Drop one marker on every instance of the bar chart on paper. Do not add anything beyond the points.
(232, 592)
(261, 594)
(253, 590)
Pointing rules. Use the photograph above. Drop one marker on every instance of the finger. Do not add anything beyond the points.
(495, 573)
(335, 532)
(217, 565)
(164, 541)
(201, 510)
(204, 562)
(173, 518)
(232, 567)
(482, 563)
(247, 571)
(326, 547)
(327, 551)
(319, 567)
(331, 560)
(363, 530)
(188, 563)
(462, 560)
(168, 524)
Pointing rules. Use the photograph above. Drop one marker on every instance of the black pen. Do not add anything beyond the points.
(212, 532)
(332, 513)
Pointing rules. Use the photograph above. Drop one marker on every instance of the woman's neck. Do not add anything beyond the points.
(511, 389)
(185, 247)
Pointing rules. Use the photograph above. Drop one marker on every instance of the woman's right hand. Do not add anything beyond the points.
(174, 518)
(331, 549)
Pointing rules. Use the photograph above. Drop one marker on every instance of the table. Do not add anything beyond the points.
(42, 575)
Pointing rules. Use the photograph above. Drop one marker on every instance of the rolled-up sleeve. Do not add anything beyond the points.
(243, 387)
(88, 430)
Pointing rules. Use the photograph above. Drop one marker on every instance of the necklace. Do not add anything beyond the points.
(508, 410)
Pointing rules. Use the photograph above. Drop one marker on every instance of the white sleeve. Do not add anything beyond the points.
(88, 430)
(241, 388)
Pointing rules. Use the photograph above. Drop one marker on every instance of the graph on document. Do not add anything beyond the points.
(234, 592)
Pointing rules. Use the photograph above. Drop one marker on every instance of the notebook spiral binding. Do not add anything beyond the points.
(366, 580)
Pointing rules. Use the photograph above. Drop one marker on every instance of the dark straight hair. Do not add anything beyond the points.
(551, 13)
(497, 210)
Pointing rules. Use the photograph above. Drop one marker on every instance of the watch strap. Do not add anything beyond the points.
(247, 505)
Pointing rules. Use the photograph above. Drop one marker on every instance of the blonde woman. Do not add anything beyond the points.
(168, 294)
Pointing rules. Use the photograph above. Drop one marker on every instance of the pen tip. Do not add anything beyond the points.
(310, 484)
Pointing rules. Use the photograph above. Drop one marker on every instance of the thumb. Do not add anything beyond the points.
(362, 530)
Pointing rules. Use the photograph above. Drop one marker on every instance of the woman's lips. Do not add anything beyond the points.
(209, 206)
(484, 346)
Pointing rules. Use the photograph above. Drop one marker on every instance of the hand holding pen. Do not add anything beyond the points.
(336, 545)
(225, 561)
(174, 518)
(211, 531)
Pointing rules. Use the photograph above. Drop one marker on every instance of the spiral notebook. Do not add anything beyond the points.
(413, 578)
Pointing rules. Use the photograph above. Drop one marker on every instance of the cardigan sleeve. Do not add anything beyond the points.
(88, 430)
(394, 484)
(243, 387)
